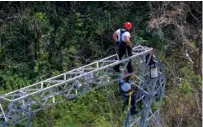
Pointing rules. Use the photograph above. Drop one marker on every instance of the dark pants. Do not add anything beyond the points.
(132, 100)
(122, 48)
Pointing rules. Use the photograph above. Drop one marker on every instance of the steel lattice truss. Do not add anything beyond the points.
(149, 94)
(20, 104)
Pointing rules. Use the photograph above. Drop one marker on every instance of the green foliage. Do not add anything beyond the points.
(12, 82)
(40, 16)
(96, 108)
(185, 87)
(154, 106)
(43, 39)
(198, 81)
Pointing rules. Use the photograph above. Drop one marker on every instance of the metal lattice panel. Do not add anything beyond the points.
(22, 103)
(149, 94)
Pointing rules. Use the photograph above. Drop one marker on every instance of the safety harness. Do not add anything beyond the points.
(128, 94)
(122, 31)
(129, 100)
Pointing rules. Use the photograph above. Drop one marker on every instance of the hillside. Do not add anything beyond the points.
(39, 40)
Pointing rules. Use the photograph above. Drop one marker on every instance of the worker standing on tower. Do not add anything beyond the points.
(122, 38)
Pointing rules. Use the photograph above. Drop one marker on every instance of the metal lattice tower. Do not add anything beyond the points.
(20, 104)
(149, 94)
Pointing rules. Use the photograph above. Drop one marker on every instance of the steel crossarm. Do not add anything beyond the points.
(27, 100)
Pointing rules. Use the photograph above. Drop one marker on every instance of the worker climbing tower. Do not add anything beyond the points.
(149, 93)
(21, 104)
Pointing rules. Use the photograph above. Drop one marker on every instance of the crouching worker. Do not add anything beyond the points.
(152, 63)
(127, 90)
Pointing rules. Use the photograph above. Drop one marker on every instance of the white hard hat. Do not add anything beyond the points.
(125, 87)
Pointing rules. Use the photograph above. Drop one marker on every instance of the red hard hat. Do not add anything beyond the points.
(127, 25)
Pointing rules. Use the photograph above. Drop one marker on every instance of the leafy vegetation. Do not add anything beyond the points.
(42, 39)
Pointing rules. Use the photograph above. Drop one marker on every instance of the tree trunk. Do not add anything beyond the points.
(198, 57)
(0, 37)
(53, 35)
(36, 41)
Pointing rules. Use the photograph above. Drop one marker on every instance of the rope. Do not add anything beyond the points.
(127, 124)
(129, 100)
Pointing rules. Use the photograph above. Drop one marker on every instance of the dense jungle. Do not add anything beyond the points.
(39, 40)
